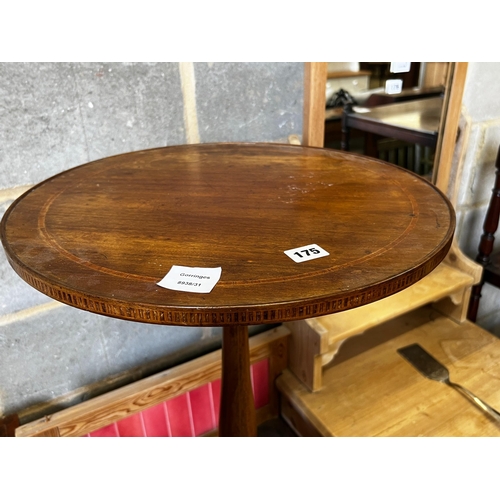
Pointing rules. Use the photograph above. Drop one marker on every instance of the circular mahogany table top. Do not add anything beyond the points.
(101, 236)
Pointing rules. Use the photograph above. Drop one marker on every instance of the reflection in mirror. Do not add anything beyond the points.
(392, 116)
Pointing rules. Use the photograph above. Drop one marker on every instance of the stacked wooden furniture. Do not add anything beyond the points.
(378, 393)
(315, 341)
(345, 377)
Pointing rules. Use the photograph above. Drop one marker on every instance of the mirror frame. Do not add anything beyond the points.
(445, 177)
(315, 75)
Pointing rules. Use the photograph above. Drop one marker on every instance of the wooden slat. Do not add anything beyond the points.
(52, 432)
(313, 129)
(442, 282)
(446, 173)
(449, 127)
(378, 393)
(133, 398)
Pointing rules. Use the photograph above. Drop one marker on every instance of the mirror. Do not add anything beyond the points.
(395, 110)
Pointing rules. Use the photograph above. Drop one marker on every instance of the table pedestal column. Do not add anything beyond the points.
(237, 407)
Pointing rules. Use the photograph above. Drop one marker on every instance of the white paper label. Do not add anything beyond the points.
(393, 86)
(191, 279)
(305, 253)
(400, 67)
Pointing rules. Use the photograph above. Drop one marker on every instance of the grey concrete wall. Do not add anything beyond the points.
(481, 127)
(54, 116)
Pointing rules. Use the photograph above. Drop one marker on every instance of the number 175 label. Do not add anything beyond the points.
(305, 253)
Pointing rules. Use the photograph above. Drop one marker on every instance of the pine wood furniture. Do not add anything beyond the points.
(316, 341)
(370, 390)
(101, 236)
(489, 260)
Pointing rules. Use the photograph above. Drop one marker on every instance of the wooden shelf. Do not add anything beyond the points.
(378, 393)
(315, 341)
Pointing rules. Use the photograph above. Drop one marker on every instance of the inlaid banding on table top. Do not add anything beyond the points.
(304, 275)
(52, 241)
(171, 316)
(101, 236)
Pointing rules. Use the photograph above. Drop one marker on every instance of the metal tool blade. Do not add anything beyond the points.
(431, 368)
(428, 366)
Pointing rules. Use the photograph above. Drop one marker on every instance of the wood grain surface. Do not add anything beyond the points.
(414, 121)
(419, 115)
(101, 236)
(379, 393)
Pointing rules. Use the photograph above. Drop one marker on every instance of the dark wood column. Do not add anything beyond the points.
(237, 407)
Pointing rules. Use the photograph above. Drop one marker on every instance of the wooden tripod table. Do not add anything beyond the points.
(101, 236)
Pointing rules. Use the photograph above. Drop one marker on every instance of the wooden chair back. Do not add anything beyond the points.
(486, 257)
